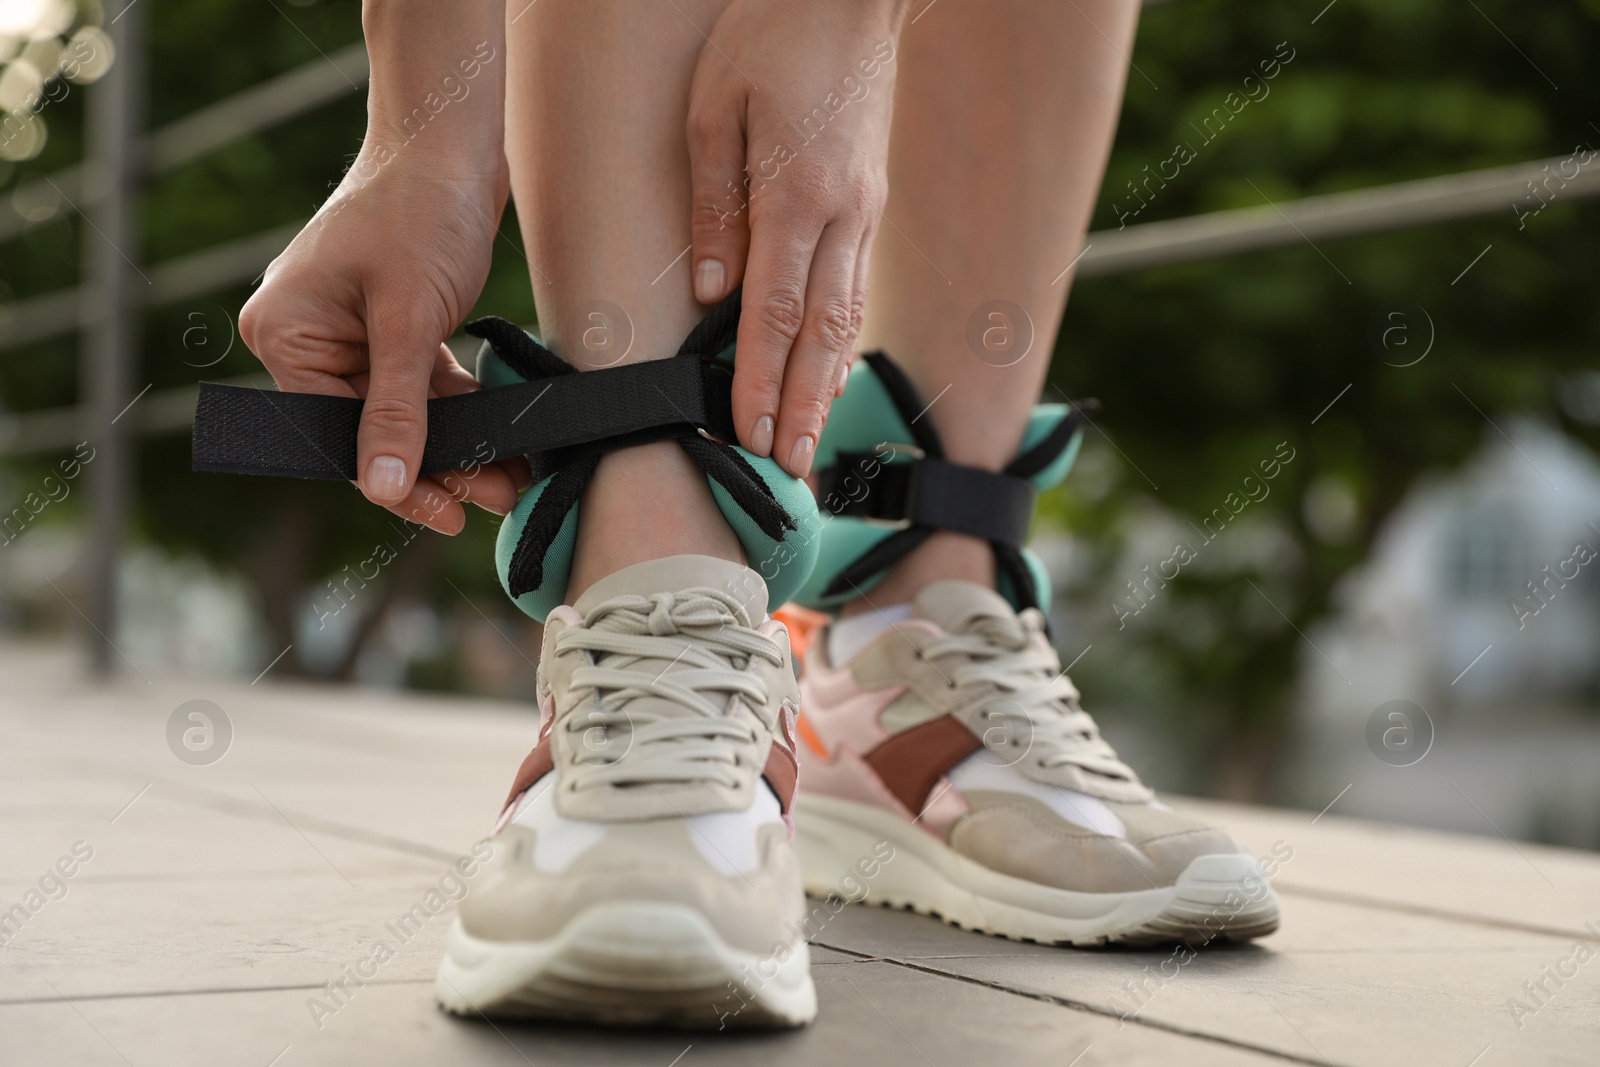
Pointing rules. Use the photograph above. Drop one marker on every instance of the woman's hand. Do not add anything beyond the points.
(359, 305)
(788, 142)
(361, 301)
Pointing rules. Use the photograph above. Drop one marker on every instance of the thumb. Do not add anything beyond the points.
(394, 422)
(719, 222)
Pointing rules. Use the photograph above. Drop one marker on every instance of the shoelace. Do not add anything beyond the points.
(706, 650)
(1008, 668)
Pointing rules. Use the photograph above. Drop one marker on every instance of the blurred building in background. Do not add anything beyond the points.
(1480, 604)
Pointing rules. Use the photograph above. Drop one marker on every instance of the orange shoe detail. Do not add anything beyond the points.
(809, 736)
(803, 623)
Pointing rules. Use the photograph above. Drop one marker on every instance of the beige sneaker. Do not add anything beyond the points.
(643, 868)
(956, 737)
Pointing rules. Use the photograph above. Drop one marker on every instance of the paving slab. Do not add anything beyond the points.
(871, 1013)
(1340, 983)
(220, 898)
(1488, 878)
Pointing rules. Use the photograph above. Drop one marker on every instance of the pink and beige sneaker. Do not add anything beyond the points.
(955, 736)
(643, 868)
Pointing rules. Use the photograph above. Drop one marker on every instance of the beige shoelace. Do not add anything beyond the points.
(706, 651)
(1017, 679)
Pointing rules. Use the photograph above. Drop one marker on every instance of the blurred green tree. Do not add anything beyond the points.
(1203, 369)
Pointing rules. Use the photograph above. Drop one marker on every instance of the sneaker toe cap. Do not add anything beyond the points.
(519, 902)
(1023, 838)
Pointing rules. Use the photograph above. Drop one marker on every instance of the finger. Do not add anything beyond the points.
(519, 471)
(863, 277)
(489, 482)
(811, 375)
(297, 362)
(783, 239)
(719, 218)
(489, 486)
(449, 377)
(394, 421)
(430, 504)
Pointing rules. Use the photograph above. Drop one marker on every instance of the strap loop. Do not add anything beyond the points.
(239, 430)
(933, 492)
(926, 493)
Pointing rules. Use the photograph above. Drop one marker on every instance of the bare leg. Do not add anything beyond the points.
(1004, 116)
(597, 97)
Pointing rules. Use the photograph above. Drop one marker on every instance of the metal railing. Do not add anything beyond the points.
(104, 308)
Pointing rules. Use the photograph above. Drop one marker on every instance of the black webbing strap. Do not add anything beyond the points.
(930, 493)
(934, 493)
(238, 430)
(560, 419)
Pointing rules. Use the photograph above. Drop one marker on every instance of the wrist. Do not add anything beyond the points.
(891, 14)
(383, 169)
(437, 87)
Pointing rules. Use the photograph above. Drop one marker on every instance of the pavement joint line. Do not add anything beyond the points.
(1085, 1007)
(216, 800)
(220, 876)
(1285, 1018)
(68, 1002)
(155, 994)
(1463, 917)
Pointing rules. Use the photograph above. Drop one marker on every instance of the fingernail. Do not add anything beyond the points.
(709, 277)
(800, 456)
(386, 479)
(761, 436)
(492, 509)
(844, 376)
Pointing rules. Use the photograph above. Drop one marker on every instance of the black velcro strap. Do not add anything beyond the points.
(969, 500)
(239, 430)
(933, 493)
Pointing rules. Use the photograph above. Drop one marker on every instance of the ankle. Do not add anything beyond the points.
(942, 555)
(646, 503)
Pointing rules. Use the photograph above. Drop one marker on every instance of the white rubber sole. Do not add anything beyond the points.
(628, 962)
(1217, 897)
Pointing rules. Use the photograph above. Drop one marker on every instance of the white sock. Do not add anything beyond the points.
(847, 637)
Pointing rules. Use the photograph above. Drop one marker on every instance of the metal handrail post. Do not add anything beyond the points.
(109, 317)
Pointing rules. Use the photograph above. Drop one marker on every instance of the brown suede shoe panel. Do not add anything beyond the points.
(910, 762)
(535, 766)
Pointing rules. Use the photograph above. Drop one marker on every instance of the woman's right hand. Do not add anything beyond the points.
(360, 304)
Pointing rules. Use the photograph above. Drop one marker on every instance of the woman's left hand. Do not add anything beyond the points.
(789, 117)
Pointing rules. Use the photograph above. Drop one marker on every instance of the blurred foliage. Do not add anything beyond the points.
(1202, 369)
